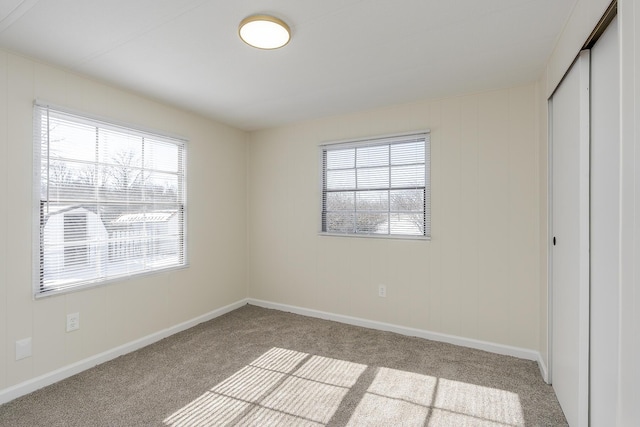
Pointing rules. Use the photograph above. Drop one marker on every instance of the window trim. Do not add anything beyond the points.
(372, 141)
(38, 203)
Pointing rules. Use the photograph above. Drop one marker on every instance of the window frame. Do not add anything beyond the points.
(381, 140)
(38, 287)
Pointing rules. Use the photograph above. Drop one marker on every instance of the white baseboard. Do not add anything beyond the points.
(521, 353)
(34, 384)
(49, 378)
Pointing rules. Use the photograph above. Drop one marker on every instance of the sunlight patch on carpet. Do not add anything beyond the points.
(286, 387)
(480, 403)
(281, 387)
(408, 399)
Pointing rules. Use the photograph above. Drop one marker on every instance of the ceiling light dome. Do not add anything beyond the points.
(264, 32)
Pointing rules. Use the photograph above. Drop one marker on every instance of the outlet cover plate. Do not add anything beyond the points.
(382, 291)
(73, 321)
(23, 348)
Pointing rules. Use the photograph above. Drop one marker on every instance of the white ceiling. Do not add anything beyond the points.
(345, 55)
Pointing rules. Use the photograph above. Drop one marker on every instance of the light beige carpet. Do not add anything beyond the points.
(259, 367)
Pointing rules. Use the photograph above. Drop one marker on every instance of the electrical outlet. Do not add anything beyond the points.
(23, 348)
(382, 291)
(73, 321)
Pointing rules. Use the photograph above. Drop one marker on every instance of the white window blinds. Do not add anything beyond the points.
(378, 186)
(110, 201)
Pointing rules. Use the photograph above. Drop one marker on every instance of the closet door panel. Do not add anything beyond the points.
(605, 227)
(569, 121)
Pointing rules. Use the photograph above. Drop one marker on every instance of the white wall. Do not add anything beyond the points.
(479, 275)
(112, 315)
(629, 373)
(605, 227)
(4, 208)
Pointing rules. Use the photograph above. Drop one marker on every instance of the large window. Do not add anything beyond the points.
(377, 187)
(110, 201)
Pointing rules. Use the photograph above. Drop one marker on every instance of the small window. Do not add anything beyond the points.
(110, 201)
(377, 187)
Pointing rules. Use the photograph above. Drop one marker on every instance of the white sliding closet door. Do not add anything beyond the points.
(605, 226)
(569, 129)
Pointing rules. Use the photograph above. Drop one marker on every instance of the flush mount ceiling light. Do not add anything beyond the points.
(264, 32)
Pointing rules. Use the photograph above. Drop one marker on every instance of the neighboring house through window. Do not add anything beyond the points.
(377, 187)
(75, 238)
(110, 201)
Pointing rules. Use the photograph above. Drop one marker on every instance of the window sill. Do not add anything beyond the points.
(377, 236)
(92, 285)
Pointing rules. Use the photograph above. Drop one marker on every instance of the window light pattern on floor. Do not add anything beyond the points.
(397, 398)
(286, 387)
(282, 387)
